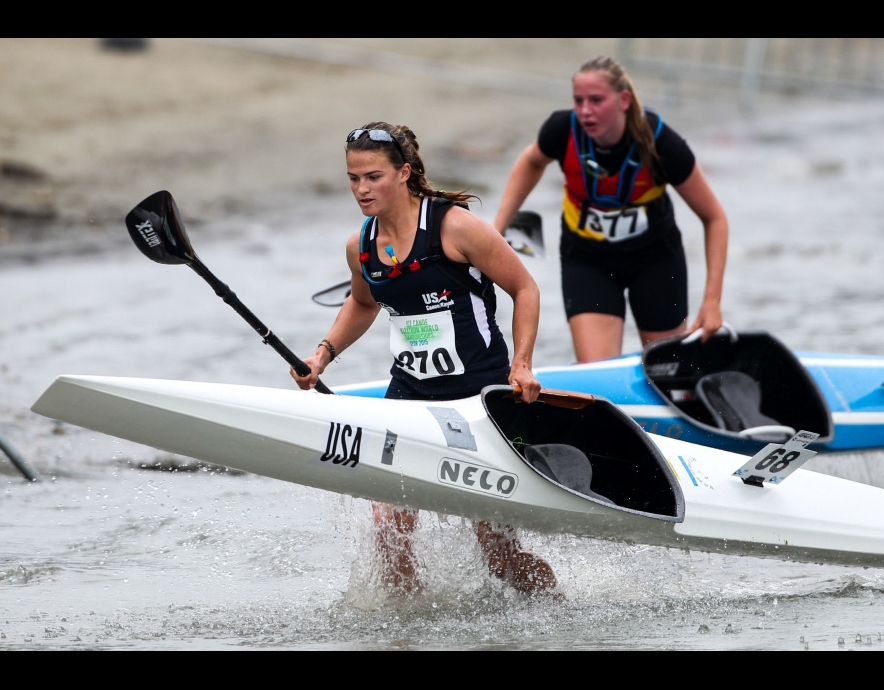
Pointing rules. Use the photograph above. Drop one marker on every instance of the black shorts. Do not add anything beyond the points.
(399, 388)
(655, 278)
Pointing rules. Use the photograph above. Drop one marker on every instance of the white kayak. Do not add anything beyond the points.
(571, 463)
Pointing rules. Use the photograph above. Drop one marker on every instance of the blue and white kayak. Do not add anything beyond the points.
(737, 391)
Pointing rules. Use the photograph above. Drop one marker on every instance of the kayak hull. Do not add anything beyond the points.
(462, 458)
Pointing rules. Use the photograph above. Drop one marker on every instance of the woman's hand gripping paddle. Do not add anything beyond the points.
(156, 227)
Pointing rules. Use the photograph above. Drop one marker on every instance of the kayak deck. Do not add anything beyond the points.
(736, 384)
(591, 444)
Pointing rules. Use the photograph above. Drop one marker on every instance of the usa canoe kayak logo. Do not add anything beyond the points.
(477, 478)
(437, 300)
(148, 234)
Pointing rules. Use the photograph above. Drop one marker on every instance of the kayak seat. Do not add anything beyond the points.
(733, 399)
(566, 465)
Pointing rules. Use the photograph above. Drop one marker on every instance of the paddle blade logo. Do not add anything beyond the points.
(148, 234)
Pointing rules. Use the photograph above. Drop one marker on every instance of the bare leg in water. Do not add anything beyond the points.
(500, 545)
(506, 559)
(393, 538)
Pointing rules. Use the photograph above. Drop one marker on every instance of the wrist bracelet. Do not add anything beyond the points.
(331, 348)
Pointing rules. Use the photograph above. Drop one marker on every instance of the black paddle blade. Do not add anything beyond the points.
(525, 234)
(156, 227)
(333, 296)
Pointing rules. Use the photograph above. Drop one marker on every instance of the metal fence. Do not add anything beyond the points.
(825, 66)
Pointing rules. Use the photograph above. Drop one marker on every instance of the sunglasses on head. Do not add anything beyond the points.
(375, 135)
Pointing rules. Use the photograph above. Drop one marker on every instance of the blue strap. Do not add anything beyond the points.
(628, 171)
(364, 247)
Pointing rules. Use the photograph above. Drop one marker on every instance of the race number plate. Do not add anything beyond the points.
(424, 346)
(776, 461)
(615, 226)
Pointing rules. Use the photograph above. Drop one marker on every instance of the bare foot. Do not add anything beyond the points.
(530, 574)
(506, 560)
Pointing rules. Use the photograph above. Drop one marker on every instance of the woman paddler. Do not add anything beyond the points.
(432, 265)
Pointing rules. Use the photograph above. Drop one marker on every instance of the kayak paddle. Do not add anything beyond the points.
(525, 235)
(156, 227)
(333, 296)
(18, 461)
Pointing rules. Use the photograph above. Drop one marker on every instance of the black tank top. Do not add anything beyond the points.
(444, 336)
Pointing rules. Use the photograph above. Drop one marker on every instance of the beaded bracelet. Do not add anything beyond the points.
(331, 348)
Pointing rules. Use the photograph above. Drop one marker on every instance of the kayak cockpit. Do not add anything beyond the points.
(589, 446)
(746, 385)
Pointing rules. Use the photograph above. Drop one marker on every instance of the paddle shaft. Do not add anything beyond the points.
(225, 293)
(19, 462)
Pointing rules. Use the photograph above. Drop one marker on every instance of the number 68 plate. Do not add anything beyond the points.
(776, 461)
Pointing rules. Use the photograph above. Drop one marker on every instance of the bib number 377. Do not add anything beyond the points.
(614, 226)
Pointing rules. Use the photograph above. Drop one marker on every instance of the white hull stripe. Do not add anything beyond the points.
(842, 418)
(837, 363)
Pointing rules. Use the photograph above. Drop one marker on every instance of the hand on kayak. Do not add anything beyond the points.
(708, 319)
(524, 383)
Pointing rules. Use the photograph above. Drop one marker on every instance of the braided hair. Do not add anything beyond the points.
(405, 150)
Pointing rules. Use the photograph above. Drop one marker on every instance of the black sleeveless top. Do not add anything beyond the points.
(444, 337)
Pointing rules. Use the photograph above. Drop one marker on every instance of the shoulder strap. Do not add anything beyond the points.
(628, 171)
(364, 246)
(437, 209)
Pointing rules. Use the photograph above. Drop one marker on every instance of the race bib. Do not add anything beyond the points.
(423, 346)
(613, 226)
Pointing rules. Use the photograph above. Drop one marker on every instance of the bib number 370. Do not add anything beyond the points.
(424, 346)
(421, 362)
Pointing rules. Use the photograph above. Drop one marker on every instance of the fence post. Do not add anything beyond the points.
(750, 82)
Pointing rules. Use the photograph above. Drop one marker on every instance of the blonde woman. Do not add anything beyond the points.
(619, 237)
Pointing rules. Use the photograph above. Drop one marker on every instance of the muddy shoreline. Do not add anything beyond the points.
(240, 128)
